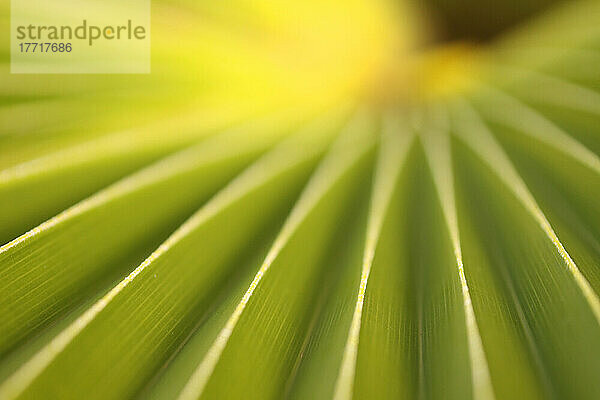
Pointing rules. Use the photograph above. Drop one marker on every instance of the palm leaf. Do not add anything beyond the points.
(280, 229)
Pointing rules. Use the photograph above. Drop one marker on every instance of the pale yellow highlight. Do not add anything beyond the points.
(394, 147)
(187, 126)
(354, 143)
(508, 110)
(292, 152)
(551, 89)
(240, 140)
(477, 136)
(437, 150)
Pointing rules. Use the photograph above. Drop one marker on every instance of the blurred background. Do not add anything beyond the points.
(248, 56)
(215, 65)
(480, 20)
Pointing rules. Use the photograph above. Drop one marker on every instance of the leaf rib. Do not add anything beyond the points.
(394, 147)
(477, 136)
(507, 110)
(553, 90)
(437, 150)
(295, 151)
(42, 266)
(348, 149)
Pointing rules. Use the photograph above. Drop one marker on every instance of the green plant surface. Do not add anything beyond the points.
(222, 223)
(308, 200)
(153, 202)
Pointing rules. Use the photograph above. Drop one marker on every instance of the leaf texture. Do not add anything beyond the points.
(274, 233)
